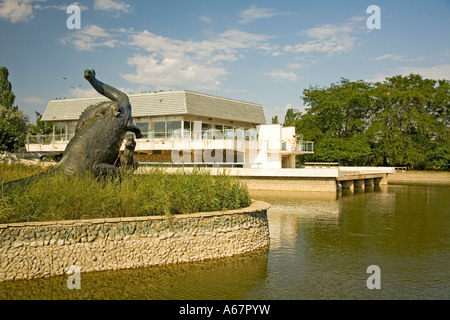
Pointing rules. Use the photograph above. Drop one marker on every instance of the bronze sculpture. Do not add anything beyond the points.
(99, 134)
(127, 160)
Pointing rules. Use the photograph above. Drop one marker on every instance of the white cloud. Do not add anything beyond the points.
(111, 6)
(397, 58)
(437, 72)
(78, 92)
(172, 71)
(23, 10)
(62, 7)
(18, 10)
(328, 38)
(279, 76)
(35, 100)
(254, 12)
(83, 93)
(206, 19)
(89, 38)
(173, 62)
(294, 65)
(192, 64)
(389, 56)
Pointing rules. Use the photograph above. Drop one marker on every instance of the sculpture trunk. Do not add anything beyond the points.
(110, 92)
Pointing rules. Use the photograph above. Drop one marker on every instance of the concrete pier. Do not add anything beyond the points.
(330, 179)
(358, 180)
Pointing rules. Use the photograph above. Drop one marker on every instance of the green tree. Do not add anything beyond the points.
(13, 123)
(275, 120)
(342, 110)
(401, 121)
(410, 123)
(291, 117)
(336, 119)
(6, 95)
(40, 127)
(13, 127)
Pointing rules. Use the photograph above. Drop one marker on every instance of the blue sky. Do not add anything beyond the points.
(265, 52)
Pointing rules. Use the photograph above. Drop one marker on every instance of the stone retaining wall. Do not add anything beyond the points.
(291, 184)
(41, 249)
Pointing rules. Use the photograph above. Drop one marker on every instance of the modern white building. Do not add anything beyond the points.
(187, 128)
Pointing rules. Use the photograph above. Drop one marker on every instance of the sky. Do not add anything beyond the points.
(265, 52)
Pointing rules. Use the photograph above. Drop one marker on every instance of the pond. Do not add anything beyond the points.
(321, 247)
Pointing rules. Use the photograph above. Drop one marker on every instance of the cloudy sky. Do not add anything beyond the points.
(265, 52)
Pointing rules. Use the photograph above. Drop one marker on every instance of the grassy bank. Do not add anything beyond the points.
(60, 197)
(15, 171)
(414, 176)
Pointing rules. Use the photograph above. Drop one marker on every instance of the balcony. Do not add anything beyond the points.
(238, 139)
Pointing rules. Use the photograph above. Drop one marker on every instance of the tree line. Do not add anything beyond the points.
(14, 124)
(403, 121)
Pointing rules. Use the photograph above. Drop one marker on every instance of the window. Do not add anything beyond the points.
(197, 130)
(144, 126)
(188, 128)
(159, 129)
(206, 133)
(228, 133)
(174, 129)
(60, 131)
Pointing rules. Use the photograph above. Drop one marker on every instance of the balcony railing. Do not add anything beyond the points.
(188, 135)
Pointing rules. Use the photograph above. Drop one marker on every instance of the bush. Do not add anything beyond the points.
(62, 197)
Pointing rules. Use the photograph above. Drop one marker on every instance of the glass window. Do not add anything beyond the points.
(219, 127)
(197, 130)
(187, 130)
(144, 126)
(206, 133)
(218, 132)
(60, 131)
(239, 134)
(228, 133)
(174, 129)
(159, 129)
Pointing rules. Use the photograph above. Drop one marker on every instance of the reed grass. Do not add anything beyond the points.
(61, 197)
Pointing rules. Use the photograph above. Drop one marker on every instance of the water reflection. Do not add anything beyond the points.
(230, 278)
(322, 244)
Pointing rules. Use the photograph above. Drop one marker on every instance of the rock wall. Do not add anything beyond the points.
(42, 249)
(286, 184)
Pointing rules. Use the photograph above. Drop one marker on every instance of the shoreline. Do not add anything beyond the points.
(420, 177)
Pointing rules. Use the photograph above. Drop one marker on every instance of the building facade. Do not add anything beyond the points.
(187, 128)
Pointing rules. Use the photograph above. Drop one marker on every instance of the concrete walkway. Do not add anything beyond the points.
(325, 179)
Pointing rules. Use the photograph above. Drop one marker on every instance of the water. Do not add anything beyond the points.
(321, 246)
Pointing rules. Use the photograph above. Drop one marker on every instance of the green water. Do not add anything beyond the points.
(321, 246)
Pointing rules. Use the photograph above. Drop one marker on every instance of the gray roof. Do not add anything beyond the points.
(165, 103)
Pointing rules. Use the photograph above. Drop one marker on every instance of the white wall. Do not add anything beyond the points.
(287, 133)
(269, 139)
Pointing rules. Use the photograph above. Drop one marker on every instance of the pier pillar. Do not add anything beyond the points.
(358, 183)
(347, 184)
(383, 181)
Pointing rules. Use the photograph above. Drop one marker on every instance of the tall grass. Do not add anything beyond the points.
(62, 197)
(17, 171)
